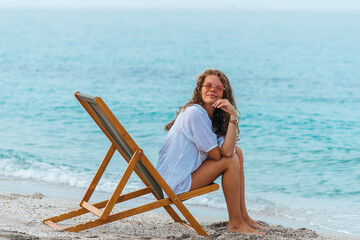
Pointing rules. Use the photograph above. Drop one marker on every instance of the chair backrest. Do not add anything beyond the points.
(111, 129)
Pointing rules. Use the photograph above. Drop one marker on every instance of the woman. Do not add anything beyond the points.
(201, 145)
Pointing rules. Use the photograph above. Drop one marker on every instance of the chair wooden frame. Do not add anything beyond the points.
(138, 163)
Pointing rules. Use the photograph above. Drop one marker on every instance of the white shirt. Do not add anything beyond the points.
(185, 147)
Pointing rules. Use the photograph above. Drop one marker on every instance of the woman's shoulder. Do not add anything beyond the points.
(195, 110)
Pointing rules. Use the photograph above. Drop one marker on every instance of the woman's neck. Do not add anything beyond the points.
(209, 109)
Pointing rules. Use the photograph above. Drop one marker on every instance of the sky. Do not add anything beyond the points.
(315, 5)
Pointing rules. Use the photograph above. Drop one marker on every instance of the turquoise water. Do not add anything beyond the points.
(295, 76)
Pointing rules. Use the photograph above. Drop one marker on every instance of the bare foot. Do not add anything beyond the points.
(244, 228)
(252, 223)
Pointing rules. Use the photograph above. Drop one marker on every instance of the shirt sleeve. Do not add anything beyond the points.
(220, 141)
(197, 128)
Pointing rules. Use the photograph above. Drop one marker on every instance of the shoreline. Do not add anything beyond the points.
(12, 186)
(22, 216)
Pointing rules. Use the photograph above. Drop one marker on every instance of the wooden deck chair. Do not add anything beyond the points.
(138, 163)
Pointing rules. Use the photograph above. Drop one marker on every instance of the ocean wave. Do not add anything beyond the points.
(28, 166)
(319, 213)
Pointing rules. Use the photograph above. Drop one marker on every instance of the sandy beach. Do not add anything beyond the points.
(22, 215)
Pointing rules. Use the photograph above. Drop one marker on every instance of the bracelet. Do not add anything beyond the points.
(236, 122)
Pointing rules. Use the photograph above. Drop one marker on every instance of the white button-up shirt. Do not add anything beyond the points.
(185, 147)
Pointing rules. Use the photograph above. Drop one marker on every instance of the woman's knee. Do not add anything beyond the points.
(233, 161)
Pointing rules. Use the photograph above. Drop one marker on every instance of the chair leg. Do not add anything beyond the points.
(190, 218)
(173, 214)
(120, 215)
(98, 174)
(185, 212)
(130, 168)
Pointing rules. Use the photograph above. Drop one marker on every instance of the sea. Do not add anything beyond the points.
(295, 76)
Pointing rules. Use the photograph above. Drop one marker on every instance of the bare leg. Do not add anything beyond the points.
(243, 210)
(229, 167)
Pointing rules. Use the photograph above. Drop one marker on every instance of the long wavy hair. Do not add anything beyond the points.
(220, 119)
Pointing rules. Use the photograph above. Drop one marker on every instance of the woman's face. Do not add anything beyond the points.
(212, 89)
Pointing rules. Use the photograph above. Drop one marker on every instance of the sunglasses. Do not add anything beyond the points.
(218, 88)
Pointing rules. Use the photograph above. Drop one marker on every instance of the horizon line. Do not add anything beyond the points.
(176, 8)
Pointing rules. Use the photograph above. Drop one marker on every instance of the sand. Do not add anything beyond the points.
(21, 218)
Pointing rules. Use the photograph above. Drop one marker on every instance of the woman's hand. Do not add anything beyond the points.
(226, 106)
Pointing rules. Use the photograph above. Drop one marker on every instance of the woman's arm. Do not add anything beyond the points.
(227, 148)
(215, 153)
